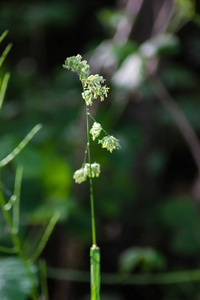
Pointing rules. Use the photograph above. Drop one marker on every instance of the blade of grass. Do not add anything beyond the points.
(5, 53)
(21, 145)
(45, 237)
(4, 87)
(3, 35)
(8, 250)
(17, 190)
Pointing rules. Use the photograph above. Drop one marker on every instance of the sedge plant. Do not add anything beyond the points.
(93, 88)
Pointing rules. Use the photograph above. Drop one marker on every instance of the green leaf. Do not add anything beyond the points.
(13, 278)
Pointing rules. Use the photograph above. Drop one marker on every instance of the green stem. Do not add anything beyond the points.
(45, 237)
(97, 122)
(90, 180)
(17, 190)
(43, 279)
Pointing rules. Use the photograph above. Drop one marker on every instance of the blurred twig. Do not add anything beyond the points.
(176, 277)
(126, 23)
(182, 123)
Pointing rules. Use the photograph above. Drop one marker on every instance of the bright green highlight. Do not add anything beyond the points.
(95, 272)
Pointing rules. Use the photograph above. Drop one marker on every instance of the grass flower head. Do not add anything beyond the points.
(110, 143)
(95, 130)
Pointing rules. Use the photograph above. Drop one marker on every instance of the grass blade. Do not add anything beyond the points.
(21, 145)
(8, 250)
(5, 53)
(3, 35)
(4, 87)
(17, 190)
(45, 237)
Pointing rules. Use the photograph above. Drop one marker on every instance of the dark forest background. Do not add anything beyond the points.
(147, 198)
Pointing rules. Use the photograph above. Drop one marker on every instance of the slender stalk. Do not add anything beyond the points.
(17, 190)
(45, 237)
(97, 122)
(43, 279)
(4, 87)
(90, 180)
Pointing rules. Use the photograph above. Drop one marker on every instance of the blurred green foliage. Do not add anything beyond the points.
(14, 281)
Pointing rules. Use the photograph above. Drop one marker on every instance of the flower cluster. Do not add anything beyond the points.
(84, 172)
(93, 89)
(95, 130)
(110, 143)
(92, 85)
(76, 64)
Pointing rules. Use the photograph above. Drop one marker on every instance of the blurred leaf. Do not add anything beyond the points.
(44, 211)
(163, 44)
(110, 18)
(146, 258)
(186, 7)
(14, 281)
(121, 51)
(131, 73)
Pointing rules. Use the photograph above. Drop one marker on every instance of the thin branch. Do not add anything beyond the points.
(182, 123)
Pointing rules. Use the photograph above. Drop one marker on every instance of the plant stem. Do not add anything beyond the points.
(43, 279)
(97, 122)
(90, 180)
